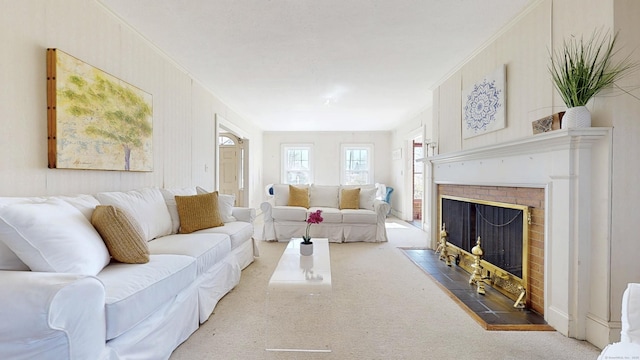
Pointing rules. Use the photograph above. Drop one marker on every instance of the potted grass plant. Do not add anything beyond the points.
(581, 69)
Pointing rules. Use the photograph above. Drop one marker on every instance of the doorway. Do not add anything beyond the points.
(418, 182)
(231, 165)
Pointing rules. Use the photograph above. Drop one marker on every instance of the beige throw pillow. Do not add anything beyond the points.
(121, 233)
(350, 198)
(198, 212)
(298, 196)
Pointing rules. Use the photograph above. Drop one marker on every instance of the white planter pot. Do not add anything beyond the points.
(576, 117)
(306, 249)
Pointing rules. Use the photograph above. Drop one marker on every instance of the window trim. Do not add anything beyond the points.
(283, 159)
(370, 157)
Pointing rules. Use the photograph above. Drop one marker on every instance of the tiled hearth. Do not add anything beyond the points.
(493, 310)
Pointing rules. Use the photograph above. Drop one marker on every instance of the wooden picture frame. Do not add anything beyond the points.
(95, 121)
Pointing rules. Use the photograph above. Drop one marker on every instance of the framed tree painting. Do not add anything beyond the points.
(95, 120)
(483, 105)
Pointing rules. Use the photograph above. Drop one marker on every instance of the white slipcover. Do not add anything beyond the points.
(629, 345)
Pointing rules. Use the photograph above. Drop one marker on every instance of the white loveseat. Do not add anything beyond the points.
(629, 345)
(79, 304)
(365, 223)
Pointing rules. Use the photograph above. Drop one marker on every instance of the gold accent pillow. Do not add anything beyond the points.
(350, 198)
(197, 212)
(298, 196)
(122, 234)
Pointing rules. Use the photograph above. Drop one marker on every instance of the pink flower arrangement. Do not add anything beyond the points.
(314, 218)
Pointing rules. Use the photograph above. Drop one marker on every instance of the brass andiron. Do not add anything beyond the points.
(476, 276)
(520, 303)
(442, 247)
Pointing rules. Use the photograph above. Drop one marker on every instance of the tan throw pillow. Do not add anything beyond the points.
(121, 233)
(298, 196)
(197, 212)
(350, 198)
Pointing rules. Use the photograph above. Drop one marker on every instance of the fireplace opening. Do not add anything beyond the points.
(503, 231)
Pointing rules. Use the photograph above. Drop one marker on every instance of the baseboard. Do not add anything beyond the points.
(601, 332)
(558, 319)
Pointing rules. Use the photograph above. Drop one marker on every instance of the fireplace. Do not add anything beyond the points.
(508, 220)
(552, 173)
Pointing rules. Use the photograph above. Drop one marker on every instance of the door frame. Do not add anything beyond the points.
(224, 126)
(407, 195)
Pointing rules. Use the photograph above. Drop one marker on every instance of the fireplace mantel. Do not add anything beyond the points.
(543, 142)
(573, 166)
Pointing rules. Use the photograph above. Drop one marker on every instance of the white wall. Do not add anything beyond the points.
(184, 147)
(523, 49)
(326, 153)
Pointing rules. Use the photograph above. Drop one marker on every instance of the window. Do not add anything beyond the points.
(357, 164)
(297, 164)
(225, 140)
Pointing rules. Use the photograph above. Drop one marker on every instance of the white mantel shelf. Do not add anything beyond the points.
(538, 143)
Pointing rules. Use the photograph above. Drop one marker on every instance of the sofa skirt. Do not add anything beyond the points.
(158, 335)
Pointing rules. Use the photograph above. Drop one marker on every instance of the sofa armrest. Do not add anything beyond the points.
(266, 208)
(630, 331)
(51, 315)
(381, 207)
(244, 214)
(268, 228)
(382, 210)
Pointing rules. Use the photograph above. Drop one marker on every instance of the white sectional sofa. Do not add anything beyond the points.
(64, 298)
(365, 223)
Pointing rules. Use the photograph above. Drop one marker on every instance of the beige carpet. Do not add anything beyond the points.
(385, 307)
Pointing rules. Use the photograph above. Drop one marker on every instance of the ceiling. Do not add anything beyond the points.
(319, 65)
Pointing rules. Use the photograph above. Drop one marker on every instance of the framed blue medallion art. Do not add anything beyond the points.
(483, 105)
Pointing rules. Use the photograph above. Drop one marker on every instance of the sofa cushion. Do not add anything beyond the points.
(281, 194)
(8, 259)
(350, 198)
(367, 198)
(135, 291)
(169, 196)
(84, 203)
(289, 213)
(324, 196)
(359, 216)
(53, 236)
(238, 231)
(198, 212)
(298, 196)
(207, 249)
(121, 233)
(329, 215)
(146, 205)
(226, 203)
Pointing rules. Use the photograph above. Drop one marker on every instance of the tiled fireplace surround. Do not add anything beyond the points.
(564, 172)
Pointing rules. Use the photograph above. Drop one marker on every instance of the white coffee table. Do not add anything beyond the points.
(298, 308)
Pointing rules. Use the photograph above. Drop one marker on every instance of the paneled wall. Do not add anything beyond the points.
(523, 49)
(184, 144)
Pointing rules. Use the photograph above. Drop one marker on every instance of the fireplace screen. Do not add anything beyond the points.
(503, 230)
